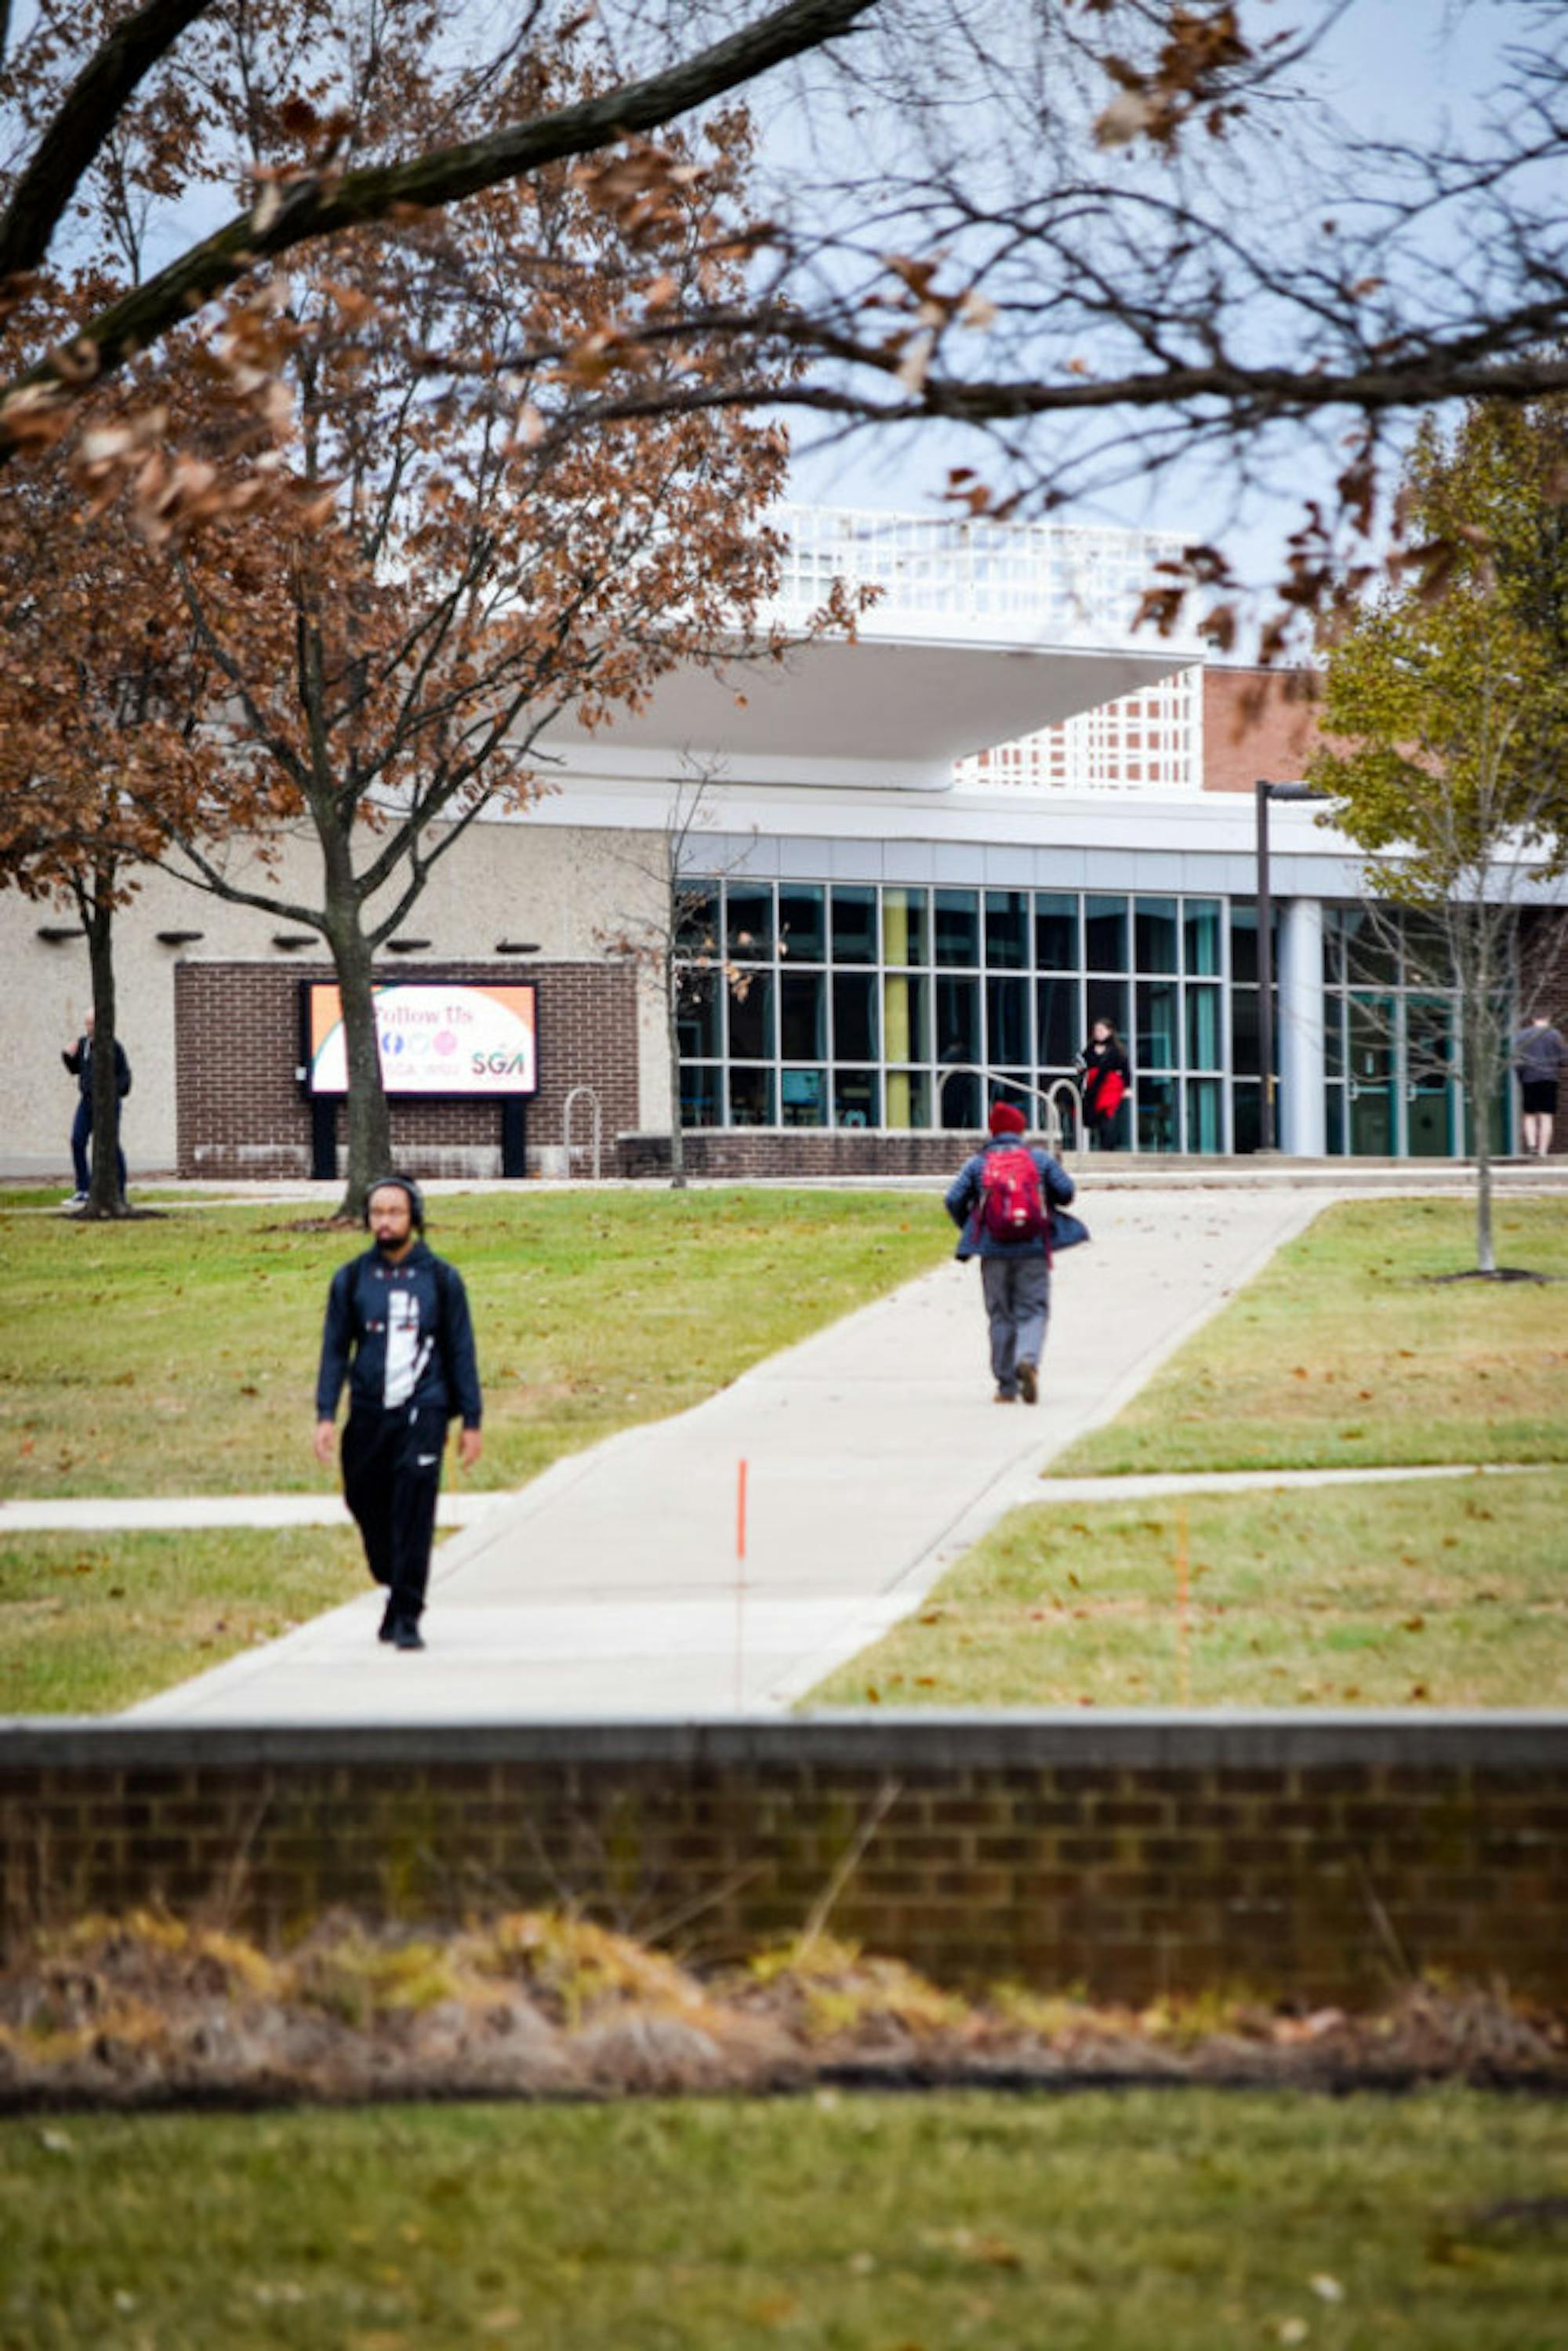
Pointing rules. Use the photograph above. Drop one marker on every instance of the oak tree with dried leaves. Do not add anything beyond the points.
(412, 563)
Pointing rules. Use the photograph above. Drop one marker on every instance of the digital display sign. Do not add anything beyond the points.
(436, 1039)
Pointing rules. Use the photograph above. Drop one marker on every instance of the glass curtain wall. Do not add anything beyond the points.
(1392, 1039)
(855, 1003)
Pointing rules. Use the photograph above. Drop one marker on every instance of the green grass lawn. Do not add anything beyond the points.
(89, 1623)
(179, 1355)
(1416, 1593)
(1139, 2222)
(1348, 1351)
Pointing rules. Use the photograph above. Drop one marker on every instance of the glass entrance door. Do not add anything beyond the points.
(1430, 1104)
(1370, 1074)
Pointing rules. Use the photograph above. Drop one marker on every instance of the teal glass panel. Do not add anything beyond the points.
(748, 915)
(803, 1014)
(1155, 935)
(855, 923)
(1205, 1027)
(1105, 934)
(1055, 931)
(1006, 930)
(702, 1095)
(958, 927)
(752, 1036)
(1007, 1022)
(751, 1098)
(1205, 1114)
(1159, 1045)
(1203, 942)
(803, 1097)
(804, 921)
(699, 1023)
(857, 1098)
(854, 1017)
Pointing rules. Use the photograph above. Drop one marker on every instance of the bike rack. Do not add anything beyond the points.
(595, 1130)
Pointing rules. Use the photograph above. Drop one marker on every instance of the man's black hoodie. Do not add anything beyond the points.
(402, 1335)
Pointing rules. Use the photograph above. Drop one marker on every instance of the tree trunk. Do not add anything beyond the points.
(104, 1196)
(1480, 1073)
(1486, 1252)
(673, 1043)
(369, 1121)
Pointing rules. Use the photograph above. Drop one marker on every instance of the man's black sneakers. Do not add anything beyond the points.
(389, 1623)
(407, 1635)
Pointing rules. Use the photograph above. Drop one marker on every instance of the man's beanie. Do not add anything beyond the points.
(1008, 1119)
(403, 1184)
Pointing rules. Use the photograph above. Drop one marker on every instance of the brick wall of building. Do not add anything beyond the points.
(241, 1112)
(1315, 1858)
(1256, 722)
(740, 1153)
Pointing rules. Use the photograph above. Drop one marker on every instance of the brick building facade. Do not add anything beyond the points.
(243, 1112)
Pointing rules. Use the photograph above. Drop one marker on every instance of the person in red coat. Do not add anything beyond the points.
(1106, 1074)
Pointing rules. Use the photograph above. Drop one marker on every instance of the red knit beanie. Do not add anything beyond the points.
(1008, 1119)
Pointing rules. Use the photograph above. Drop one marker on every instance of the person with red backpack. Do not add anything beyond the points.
(1002, 1201)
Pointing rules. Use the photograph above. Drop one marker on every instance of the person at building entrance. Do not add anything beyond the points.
(1104, 1075)
(1001, 1201)
(398, 1328)
(1539, 1054)
(78, 1062)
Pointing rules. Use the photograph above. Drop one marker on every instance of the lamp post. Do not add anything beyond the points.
(1265, 792)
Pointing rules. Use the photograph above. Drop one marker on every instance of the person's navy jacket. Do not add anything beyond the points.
(443, 1374)
(966, 1192)
(78, 1062)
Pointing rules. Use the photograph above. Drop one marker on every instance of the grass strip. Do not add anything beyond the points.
(91, 1623)
(178, 1356)
(1095, 2224)
(1352, 1349)
(1451, 1592)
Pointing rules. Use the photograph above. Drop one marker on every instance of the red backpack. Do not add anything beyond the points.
(1011, 1205)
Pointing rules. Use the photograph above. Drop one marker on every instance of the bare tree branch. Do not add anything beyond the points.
(86, 119)
(316, 206)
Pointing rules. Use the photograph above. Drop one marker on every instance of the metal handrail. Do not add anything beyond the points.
(596, 1129)
(1050, 1126)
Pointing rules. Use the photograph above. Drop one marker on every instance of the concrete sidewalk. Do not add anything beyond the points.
(611, 1586)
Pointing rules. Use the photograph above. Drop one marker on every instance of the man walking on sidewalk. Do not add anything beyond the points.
(1001, 1201)
(398, 1328)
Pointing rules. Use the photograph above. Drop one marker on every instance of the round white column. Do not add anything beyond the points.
(1303, 1130)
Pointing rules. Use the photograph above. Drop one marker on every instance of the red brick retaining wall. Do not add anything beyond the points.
(1316, 1858)
(241, 1112)
(742, 1151)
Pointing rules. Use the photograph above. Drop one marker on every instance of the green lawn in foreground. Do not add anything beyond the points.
(1344, 1351)
(179, 1355)
(90, 1624)
(1452, 1593)
(1141, 2221)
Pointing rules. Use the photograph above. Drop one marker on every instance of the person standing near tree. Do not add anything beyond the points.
(1001, 1201)
(78, 1062)
(398, 1330)
(1539, 1054)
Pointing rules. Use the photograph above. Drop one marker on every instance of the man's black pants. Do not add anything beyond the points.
(391, 1477)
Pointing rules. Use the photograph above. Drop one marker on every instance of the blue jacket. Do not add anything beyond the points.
(402, 1335)
(966, 1191)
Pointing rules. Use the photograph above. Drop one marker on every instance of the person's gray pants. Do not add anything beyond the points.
(1017, 1307)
